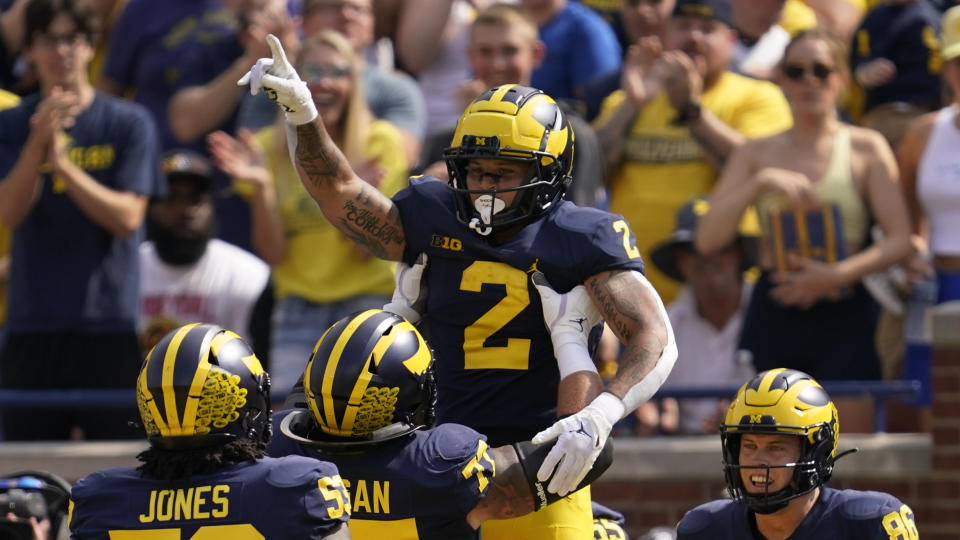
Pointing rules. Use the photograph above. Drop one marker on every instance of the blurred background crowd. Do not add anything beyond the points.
(685, 112)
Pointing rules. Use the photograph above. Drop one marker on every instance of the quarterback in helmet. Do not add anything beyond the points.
(779, 447)
(205, 406)
(495, 238)
(367, 403)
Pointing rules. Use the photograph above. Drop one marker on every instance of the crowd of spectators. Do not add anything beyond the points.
(788, 127)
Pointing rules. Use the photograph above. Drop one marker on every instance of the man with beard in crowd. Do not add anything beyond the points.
(187, 275)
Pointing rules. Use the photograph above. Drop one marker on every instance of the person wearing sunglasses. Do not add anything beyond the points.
(817, 188)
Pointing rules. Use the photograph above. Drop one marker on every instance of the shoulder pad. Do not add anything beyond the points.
(430, 181)
(701, 517)
(861, 505)
(583, 219)
(95, 482)
(292, 471)
(448, 445)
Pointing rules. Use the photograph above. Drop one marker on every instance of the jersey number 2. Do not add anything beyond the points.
(515, 355)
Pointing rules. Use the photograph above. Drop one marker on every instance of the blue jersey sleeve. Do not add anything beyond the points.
(457, 458)
(878, 516)
(312, 495)
(604, 240)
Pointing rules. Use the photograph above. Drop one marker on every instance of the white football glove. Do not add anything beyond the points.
(569, 317)
(410, 294)
(580, 438)
(281, 83)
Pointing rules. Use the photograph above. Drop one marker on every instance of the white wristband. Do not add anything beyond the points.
(572, 357)
(303, 116)
(610, 406)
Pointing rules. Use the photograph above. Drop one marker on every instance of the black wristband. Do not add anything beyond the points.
(531, 457)
(688, 113)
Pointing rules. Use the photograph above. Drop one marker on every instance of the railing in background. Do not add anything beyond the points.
(105, 398)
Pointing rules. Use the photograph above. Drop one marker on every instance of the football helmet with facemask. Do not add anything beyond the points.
(202, 385)
(517, 123)
(781, 402)
(369, 380)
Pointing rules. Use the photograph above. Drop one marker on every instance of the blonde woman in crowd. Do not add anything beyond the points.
(817, 187)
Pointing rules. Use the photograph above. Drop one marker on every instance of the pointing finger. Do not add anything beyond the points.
(280, 61)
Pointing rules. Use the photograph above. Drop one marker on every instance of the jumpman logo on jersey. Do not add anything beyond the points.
(580, 322)
(533, 267)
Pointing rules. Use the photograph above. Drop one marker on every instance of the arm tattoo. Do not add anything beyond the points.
(320, 158)
(508, 495)
(627, 308)
(370, 224)
(369, 218)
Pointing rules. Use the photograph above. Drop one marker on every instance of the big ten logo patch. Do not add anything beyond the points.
(445, 242)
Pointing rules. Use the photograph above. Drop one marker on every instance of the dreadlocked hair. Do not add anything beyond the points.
(176, 464)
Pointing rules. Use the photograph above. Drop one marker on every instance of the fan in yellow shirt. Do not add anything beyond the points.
(665, 137)
(320, 275)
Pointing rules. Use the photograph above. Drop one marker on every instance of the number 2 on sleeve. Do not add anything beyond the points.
(621, 227)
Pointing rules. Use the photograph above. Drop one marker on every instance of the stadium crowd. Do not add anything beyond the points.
(783, 172)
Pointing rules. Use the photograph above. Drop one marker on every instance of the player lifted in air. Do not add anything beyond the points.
(367, 404)
(779, 448)
(500, 221)
(205, 405)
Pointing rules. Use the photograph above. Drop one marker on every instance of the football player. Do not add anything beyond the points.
(779, 448)
(367, 404)
(500, 221)
(205, 405)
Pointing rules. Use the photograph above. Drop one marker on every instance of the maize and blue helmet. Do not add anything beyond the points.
(369, 379)
(202, 385)
(781, 402)
(518, 123)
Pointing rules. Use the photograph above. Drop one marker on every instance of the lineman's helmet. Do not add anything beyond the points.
(370, 379)
(200, 386)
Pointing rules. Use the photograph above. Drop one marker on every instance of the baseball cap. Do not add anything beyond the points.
(706, 9)
(683, 235)
(950, 25)
(189, 164)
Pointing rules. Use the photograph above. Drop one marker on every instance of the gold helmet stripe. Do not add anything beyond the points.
(196, 385)
(148, 401)
(307, 390)
(363, 381)
(326, 389)
(169, 392)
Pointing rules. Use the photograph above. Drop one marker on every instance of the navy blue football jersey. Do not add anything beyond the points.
(292, 497)
(419, 487)
(837, 514)
(495, 366)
